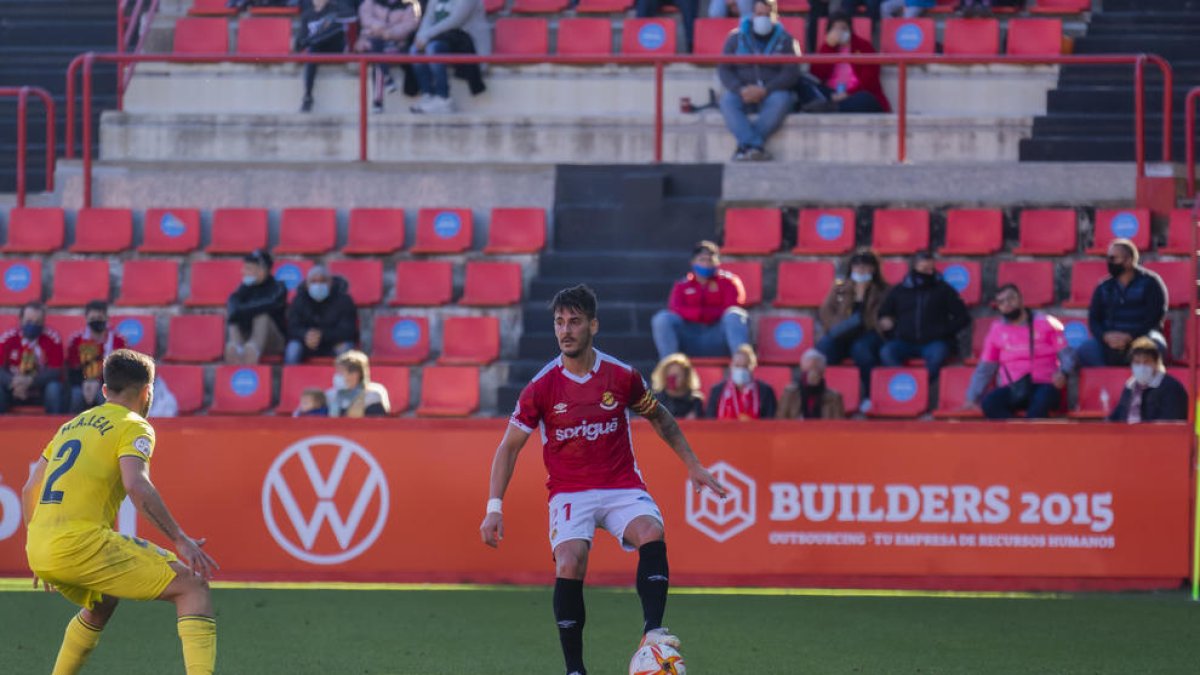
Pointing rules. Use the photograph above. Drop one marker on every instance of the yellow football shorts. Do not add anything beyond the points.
(85, 565)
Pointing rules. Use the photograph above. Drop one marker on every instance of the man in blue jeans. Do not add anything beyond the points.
(922, 316)
(757, 88)
(704, 316)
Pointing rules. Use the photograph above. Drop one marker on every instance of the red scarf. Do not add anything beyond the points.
(738, 404)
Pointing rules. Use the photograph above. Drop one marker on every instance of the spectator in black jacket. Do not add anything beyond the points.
(1129, 304)
(322, 320)
(256, 312)
(322, 31)
(1151, 395)
(922, 316)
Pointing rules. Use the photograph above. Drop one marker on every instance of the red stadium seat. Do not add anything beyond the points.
(1035, 279)
(400, 340)
(211, 8)
(295, 379)
(103, 231)
(943, 7)
(291, 272)
(423, 282)
(449, 391)
(979, 330)
(375, 231)
(825, 231)
(1179, 276)
(78, 282)
(710, 376)
(241, 390)
(894, 271)
(65, 325)
(196, 338)
(1132, 224)
(794, 6)
(149, 282)
(908, 36)
(1034, 37)
(711, 34)
(516, 230)
(138, 331)
(1047, 232)
(274, 10)
(208, 35)
(492, 284)
(1094, 383)
(901, 231)
(1179, 233)
(973, 232)
(648, 36)
(751, 274)
(238, 230)
(8, 322)
(752, 231)
(20, 281)
(33, 230)
(536, 7)
(307, 231)
(803, 284)
(525, 36)
(470, 340)
(845, 381)
(585, 37)
(1086, 275)
(264, 35)
(186, 384)
(953, 382)
(170, 231)
(1061, 6)
(396, 380)
(493, 6)
(212, 282)
(443, 231)
(597, 7)
(971, 37)
(899, 392)
(779, 377)
(859, 25)
(966, 278)
(782, 339)
(365, 278)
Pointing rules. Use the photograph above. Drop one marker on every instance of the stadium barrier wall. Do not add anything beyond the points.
(826, 503)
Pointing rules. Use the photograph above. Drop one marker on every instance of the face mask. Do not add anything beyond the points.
(763, 25)
(339, 381)
(860, 277)
(249, 280)
(740, 376)
(318, 292)
(703, 272)
(1142, 373)
(844, 37)
(98, 326)
(31, 330)
(1013, 315)
(1115, 269)
(673, 381)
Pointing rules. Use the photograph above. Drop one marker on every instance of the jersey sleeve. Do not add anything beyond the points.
(641, 399)
(137, 441)
(528, 412)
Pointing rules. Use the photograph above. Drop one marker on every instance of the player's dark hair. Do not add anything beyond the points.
(125, 370)
(96, 306)
(579, 298)
(706, 245)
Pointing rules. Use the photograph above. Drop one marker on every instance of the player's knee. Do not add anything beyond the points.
(570, 563)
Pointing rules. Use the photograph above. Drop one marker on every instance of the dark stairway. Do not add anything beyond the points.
(1090, 115)
(627, 232)
(38, 38)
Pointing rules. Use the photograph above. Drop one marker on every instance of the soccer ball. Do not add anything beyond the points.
(657, 660)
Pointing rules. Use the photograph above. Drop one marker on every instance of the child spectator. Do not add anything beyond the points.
(385, 27)
(1151, 395)
(450, 27)
(322, 31)
(677, 386)
(353, 393)
(31, 362)
(322, 320)
(850, 316)
(255, 312)
(739, 396)
(704, 316)
(312, 404)
(1129, 304)
(85, 355)
(808, 397)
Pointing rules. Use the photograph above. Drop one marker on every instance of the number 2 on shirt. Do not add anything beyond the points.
(71, 450)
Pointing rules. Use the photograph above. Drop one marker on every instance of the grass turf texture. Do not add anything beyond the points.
(296, 632)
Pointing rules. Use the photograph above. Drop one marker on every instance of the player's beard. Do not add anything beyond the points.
(581, 347)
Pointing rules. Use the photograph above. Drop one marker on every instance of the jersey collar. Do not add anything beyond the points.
(575, 378)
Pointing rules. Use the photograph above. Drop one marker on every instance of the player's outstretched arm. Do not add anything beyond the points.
(503, 464)
(668, 429)
(143, 494)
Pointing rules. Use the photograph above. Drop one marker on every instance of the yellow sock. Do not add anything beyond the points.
(78, 642)
(199, 637)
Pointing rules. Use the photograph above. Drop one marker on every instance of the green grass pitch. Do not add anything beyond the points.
(432, 632)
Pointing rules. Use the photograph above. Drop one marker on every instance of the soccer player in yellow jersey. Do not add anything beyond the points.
(71, 501)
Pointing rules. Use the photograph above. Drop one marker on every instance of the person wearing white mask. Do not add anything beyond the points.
(322, 320)
(739, 396)
(353, 393)
(757, 88)
(1151, 395)
(850, 316)
(844, 87)
(255, 312)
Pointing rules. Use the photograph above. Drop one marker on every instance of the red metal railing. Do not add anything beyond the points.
(86, 63)
(141, 16)
(1189, 135)
(22, 95)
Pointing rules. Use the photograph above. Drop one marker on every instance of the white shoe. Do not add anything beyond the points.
(439, 106)
(659, 636)
(422, 102)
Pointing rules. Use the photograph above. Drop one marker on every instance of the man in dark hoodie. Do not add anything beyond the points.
(1129, 304)
(922, 317)
(322, 320)
(255, 312)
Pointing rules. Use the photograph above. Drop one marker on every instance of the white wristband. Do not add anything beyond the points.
(493, 505)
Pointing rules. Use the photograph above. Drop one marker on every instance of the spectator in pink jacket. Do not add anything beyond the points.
(385, 27)
(1027, 356)
(704, 316)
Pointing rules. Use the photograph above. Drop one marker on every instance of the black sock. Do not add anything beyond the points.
(652, 583)
(570, 615)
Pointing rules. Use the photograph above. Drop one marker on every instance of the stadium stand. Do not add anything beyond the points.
(901, 231)
(491, 284)
(973, 232)
(22, 281)
(449, 391)
(1085, 276)
(238, 230)
(470, 341)
(307, 231)
(971, 37)
(423, 283)
(375, 231)
(186, 384)
(443, 231)
(899, 392)
(1047, 232)
(782, 339)
(242, 390)
(149, 283)
(212, 282)
(264, 35)
(516, 230)
(751, 274)
(1132, 224)
(1035, 279)
(195, 338)
(523, 36)
(752, 231)
(365, 278)
(102, 231)
(295, 379)
(201, 35)
(953, 382)
(78, 282)
(584, 36)
(35, 230)
(138, 330)
(173, 231)
(400, 340)
(825, 231)
(803, 284)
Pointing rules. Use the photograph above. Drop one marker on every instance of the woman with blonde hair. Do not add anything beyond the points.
(353, 393)
(676, 385)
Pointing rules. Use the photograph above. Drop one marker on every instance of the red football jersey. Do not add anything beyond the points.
(584, 423)
(23, 356)
(87, 355)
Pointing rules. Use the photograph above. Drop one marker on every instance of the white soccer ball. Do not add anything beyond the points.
(657, 660)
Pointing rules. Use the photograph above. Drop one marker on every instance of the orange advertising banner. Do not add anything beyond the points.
(401, 500)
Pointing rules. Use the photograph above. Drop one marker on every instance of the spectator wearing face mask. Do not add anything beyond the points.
(385, 27)
(255, 312)
(704, 316)
(739, 396)
(322, 320)
(850, 316)
(844, 87)
(85, 355)
(922, 317)
(808, 397)
(1151, 395)
(31, 370)
(677, 387)
(353, 393)
(1129, 304)
(757, 88)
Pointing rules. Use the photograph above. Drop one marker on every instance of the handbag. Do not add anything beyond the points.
(1020, 392)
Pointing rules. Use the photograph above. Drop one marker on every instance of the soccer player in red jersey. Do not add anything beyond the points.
(582, 403)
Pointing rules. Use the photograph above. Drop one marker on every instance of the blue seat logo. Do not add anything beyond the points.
(958, 277)
(290, 275)
(652, 37)
(171, 225)
(406, 333)
(1075, 332)
(830, 226)
(909, 37)
(18, 277)
(131, 331)
(789, 334)
(902, 387)
(1124, 225)
(447, 224)
(244, 382)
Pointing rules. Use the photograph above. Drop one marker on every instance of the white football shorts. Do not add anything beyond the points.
(575, 515)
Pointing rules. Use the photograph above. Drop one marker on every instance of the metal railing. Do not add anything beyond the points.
(22, 95)
(1189, 137)
(134, 18)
